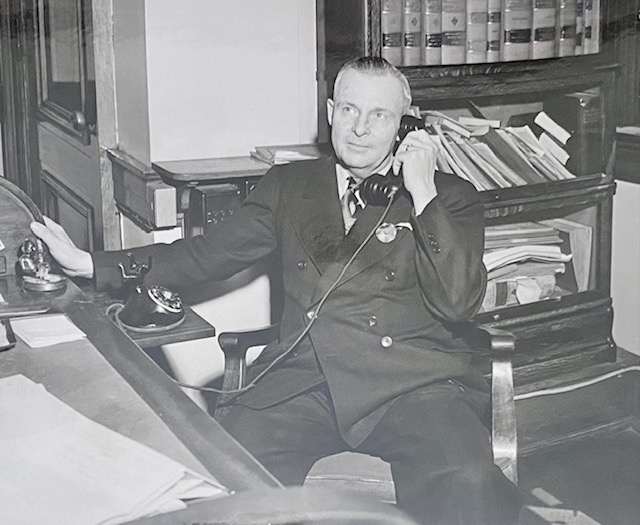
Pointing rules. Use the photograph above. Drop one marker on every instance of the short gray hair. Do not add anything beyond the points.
(375, 66)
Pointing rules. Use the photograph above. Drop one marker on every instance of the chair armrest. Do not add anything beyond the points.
(235, 346)
(504, 436)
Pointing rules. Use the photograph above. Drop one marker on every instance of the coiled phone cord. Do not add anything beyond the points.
(312, 320)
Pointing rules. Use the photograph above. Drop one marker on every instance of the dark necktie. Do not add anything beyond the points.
(349, 206)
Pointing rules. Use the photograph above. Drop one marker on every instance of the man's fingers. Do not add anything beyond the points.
(42, 232)
(57, 230)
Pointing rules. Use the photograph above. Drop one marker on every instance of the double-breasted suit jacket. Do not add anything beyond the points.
(393, 320)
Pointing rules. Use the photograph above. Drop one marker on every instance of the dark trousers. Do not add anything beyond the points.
(439, 451)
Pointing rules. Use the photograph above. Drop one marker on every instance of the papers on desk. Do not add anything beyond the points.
(59, 467)
(275, 155)
(46, 330)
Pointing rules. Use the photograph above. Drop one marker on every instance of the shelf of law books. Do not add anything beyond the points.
(453, 32)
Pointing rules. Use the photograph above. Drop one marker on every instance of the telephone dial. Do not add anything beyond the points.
(378, 189)
(148, 308)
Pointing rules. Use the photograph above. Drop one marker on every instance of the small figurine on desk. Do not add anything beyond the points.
(148, 308)
(35, 269)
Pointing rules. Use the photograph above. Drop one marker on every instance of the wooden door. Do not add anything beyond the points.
(66, 115)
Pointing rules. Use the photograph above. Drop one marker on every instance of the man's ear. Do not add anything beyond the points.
(330, 111)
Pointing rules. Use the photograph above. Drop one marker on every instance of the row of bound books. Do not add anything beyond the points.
(447, 32)
(532, 261)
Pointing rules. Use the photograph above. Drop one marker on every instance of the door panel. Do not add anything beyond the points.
(65, 70)
(69, 209)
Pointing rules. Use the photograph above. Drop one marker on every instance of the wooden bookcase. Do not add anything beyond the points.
(569, 330)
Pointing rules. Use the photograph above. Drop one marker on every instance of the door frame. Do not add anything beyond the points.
(19, 125)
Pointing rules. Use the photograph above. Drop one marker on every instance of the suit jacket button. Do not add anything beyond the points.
(302, 265)
(386, 341)
(310, 315)
(390, 275)
(373, 320)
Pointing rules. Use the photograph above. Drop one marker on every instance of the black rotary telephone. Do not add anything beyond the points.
(148, 308)
(378, 189)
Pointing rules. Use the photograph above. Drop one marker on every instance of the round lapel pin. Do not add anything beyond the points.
(386, 232)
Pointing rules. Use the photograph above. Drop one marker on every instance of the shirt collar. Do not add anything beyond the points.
(342, 176)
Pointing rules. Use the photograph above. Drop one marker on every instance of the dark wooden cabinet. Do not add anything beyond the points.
(572, 328)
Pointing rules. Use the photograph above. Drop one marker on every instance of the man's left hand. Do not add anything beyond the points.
(416, 156)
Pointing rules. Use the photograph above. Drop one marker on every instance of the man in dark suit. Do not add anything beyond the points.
(375, 309)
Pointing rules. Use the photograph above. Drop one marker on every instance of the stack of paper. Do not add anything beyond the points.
(275, 155)
(530, 252)
(46, 330)
(58, 467)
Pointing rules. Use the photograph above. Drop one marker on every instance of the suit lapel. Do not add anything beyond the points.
(374, 249)
(316, 215)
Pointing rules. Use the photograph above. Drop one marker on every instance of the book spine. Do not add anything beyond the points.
(494, 29)
(581, 114)
(453, 31)
(432, 27)
(580, 27)
(411, 32)
(476, 46)
(499, 294)
(517, 23)
(391, 31)
(544, 29)
(566, 33)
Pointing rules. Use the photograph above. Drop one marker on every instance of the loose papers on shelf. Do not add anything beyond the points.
(59, 467)
(497, 258)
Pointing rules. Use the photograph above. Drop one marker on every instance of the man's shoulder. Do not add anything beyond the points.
(452, 186)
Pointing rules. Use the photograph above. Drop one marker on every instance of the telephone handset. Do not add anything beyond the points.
(148, 308)
(378, 189)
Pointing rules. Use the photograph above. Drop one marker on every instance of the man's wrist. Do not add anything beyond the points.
(420, 203)
(85, 266)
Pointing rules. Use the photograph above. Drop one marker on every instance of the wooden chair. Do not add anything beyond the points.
(365, 474)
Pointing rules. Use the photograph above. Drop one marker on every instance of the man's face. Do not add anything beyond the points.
(364, 117)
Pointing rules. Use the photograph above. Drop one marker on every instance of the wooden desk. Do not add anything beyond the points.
(110, 379)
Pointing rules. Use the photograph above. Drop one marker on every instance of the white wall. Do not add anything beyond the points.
(132, 100)
(224, 76)
(214, 78)
(625, 272)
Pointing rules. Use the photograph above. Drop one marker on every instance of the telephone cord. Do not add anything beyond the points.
(311, 321)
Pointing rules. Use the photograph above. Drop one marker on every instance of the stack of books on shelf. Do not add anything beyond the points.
(531, 261)
(447, 32)
(489, 156)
